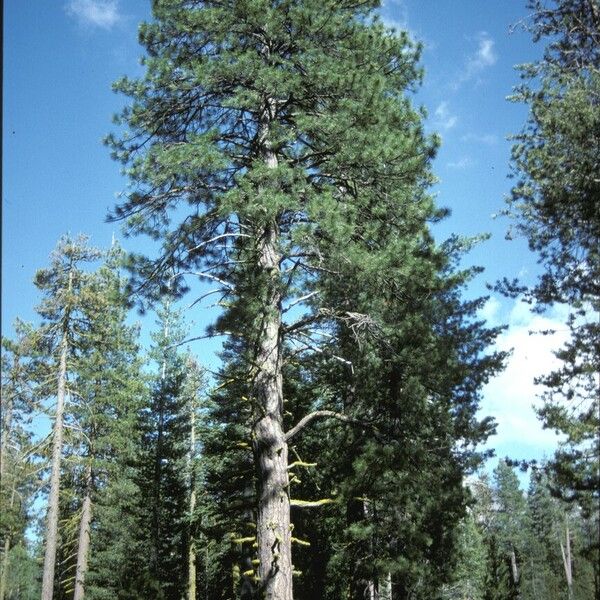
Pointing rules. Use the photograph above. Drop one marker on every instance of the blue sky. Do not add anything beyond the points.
(61, 57)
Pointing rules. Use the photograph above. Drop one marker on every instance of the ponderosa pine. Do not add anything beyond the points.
(271, 144)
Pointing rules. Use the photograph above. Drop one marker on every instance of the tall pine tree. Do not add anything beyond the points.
(274, 150)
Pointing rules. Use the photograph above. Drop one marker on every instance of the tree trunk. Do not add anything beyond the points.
(372, 591)
(192, 541)
(269, 443)
(386, 588)
(83, 547)
(270, 446)
(52, 517)
(567, 560)
(158, 456)
(514, 571)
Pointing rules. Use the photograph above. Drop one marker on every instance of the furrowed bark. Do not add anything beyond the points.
(270, 447)
(52, 517)
(83, 547)
(269, 443)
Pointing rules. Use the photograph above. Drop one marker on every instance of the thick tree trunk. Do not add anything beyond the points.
(83, 548)
(269, 442)
(52, 517)
(270, 446)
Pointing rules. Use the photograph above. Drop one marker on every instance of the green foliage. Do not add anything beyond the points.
(23, 574)
(260, 121)
(534, 528)
(555, 202)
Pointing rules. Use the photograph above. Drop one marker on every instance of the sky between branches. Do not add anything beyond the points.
(61, 57)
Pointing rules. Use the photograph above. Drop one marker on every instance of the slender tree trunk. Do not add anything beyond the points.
(514, 571)
(567, 560)
(192, 541)
(386, 588)
(83, 548)
(157, 495)
(52, 517)
(372, 591)
(270, 446)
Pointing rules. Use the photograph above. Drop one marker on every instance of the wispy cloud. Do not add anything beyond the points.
(484, 56)
(95, 13)
(462, 163)
(395, 14)
(443, 117)
(488, 139)
(490, 311)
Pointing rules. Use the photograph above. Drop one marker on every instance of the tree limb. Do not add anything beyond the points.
(316, 415)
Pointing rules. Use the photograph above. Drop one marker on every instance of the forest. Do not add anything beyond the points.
(276, 157)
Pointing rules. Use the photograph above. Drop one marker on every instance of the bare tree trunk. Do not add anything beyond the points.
(83, 548)
(192, 541)
(514, 571)
(52, 517)
(158, 456)
(567, 560)
(372, 592)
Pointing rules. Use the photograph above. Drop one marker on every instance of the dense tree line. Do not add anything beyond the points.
(276, 159)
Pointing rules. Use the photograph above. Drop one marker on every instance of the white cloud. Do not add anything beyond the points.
(485, 56)
(462, 163)
(488, 139)
(512, 396)
(96, 13)
(443, 117)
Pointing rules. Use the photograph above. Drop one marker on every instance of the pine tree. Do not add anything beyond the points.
(544, 566)
(511, 523)
(104, 418)
(18, 465)
(194, 403)
(555, 204)
(62, 332)
(284, 127)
